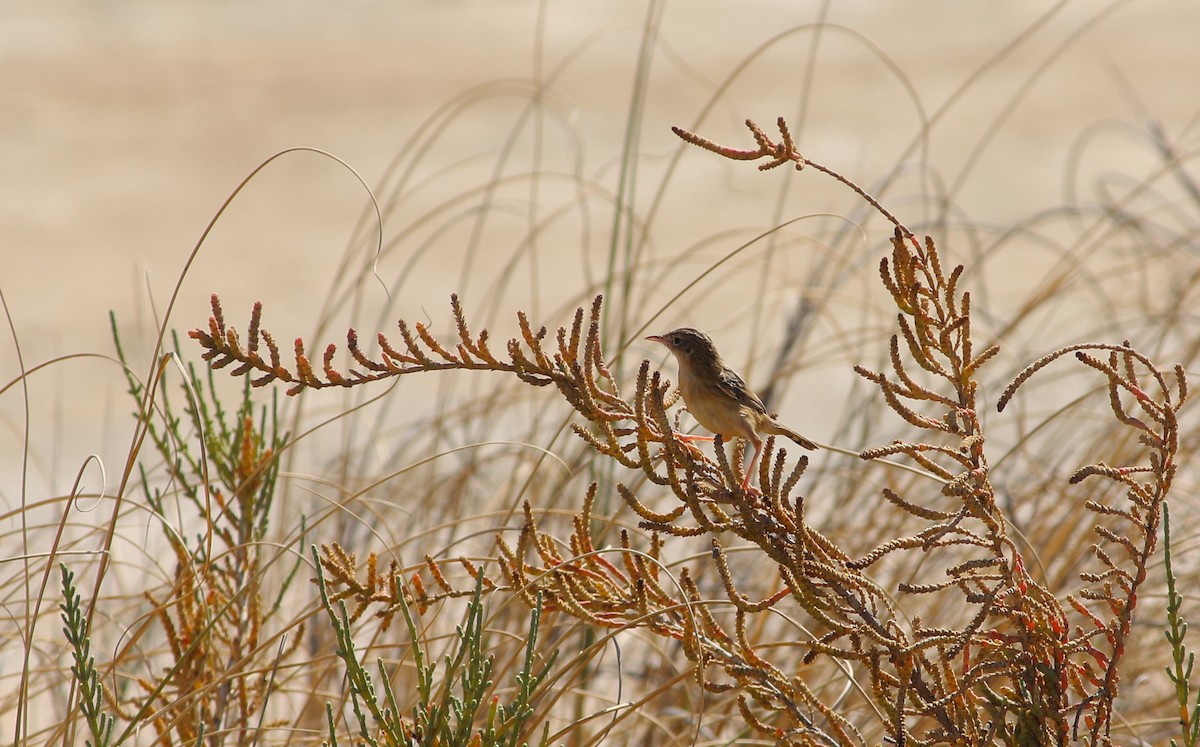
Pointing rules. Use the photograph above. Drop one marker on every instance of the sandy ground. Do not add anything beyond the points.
(124, 126)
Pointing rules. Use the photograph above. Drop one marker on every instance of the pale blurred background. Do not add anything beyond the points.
(123, 127)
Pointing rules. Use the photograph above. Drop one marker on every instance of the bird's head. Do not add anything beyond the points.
(690, 346)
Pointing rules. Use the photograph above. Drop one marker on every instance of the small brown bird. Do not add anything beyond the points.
(718, 398)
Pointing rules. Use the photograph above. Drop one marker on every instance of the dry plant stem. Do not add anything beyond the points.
(780, 153)
(1125, 550)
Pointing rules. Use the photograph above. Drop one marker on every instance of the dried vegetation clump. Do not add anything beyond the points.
(1015, 662)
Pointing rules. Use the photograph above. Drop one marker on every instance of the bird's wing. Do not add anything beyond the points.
(733, 385)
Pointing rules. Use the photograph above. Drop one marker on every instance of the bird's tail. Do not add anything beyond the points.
(775, 428)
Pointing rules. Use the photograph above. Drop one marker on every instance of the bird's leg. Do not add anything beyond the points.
(688, 440)
(758, 450)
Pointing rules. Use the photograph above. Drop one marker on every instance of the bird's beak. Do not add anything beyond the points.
(657, 338)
